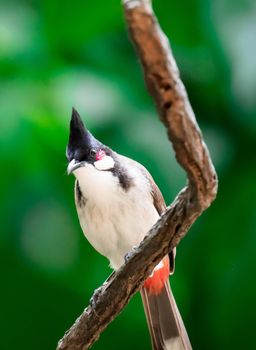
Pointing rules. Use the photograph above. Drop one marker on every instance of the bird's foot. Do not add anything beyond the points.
(95, 297)
(97, 292)
(129, 254)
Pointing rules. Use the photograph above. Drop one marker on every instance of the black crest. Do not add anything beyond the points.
(81, 142)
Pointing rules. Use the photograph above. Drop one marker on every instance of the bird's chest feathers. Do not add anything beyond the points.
(113, 219)
(107, 203)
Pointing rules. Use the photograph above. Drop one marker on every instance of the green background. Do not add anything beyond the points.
(59, 54)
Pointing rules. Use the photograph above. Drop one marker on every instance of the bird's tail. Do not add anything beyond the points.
(164, 320)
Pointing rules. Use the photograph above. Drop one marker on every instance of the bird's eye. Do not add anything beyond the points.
(93, 153)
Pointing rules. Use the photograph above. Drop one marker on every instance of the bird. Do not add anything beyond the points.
(118, 202)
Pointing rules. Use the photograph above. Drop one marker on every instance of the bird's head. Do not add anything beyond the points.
(84, 150)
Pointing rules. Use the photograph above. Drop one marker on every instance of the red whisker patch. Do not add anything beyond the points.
(100, 154)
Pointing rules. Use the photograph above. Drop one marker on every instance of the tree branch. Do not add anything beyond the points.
(164, 84)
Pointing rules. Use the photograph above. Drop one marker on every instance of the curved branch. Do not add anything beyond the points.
(164, 84)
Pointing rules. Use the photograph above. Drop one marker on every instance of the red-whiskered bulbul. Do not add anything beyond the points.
(118, 202)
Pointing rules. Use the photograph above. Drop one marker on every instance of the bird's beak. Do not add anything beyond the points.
(73, 165)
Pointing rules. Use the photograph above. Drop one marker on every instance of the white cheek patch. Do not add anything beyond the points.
(106, 163)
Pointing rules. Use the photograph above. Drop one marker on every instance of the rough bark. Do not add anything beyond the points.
(164, 84)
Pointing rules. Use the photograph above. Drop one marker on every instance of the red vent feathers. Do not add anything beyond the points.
(155, 282)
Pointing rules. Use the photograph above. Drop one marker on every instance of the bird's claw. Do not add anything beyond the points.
(129, 254)
(95, 297)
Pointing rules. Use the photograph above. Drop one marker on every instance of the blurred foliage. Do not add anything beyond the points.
(59, 54)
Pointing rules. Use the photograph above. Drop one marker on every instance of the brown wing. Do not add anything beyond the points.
(158, 201)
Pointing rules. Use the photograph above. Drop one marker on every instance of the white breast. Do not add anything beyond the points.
(113, 219)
